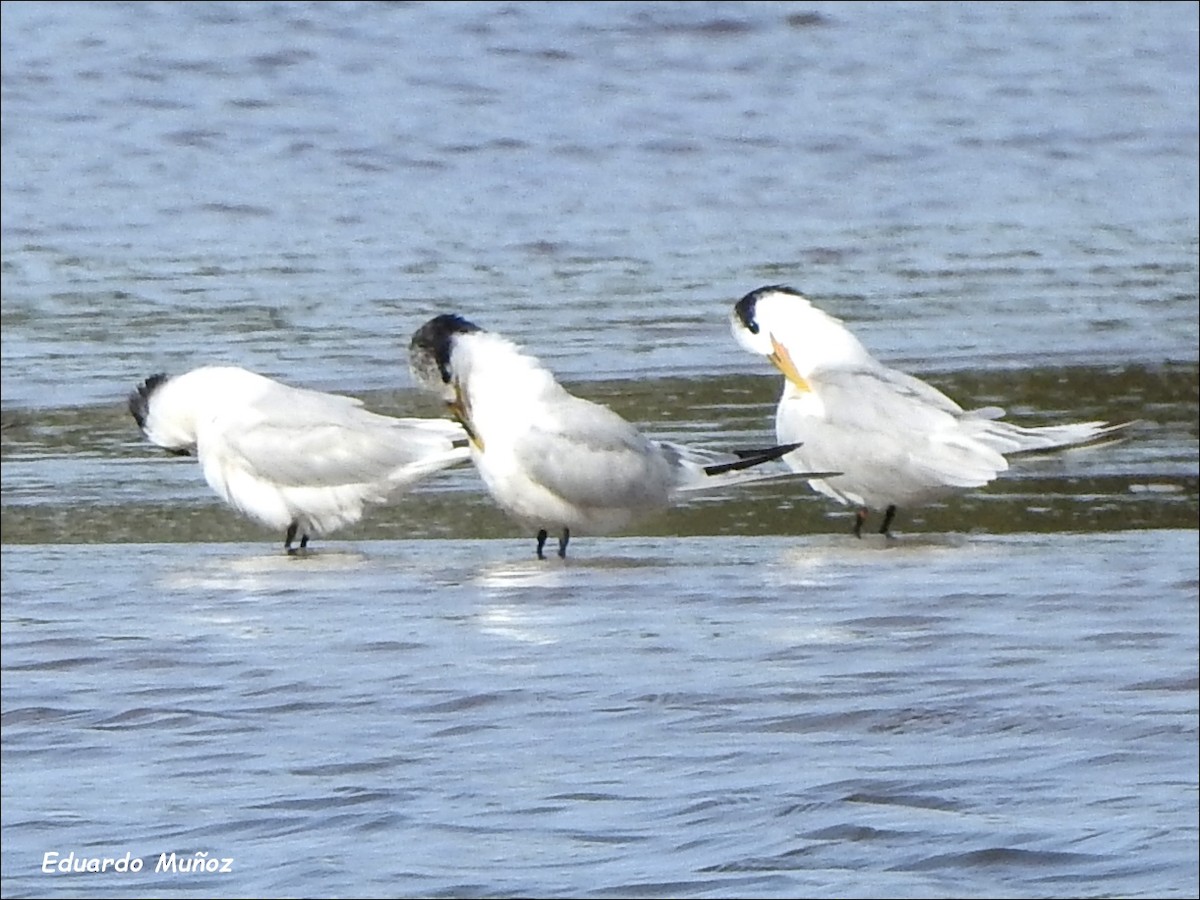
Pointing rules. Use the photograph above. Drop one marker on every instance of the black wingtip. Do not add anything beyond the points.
(139, 399)
(749, 458)
(777, 451)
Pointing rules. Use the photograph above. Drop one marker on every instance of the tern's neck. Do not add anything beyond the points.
(817, 340)
(488, 363)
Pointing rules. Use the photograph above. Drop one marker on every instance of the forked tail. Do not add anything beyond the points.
(1007, 438)
(410, 472)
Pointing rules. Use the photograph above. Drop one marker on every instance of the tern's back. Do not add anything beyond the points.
(172, 411)
(294, 459)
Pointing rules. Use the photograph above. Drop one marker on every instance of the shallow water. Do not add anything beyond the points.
(938, 716)
(736, 698)
(297, 187)
(84, 474)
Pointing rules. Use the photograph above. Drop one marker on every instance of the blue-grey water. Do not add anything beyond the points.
(735, 699)
(702, 717)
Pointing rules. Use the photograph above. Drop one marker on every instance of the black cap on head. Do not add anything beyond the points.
(434, 341)
(744, 308)
(139, 400)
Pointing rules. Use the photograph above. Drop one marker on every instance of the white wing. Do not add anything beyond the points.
(590, 456)
(895, 439)
(294, 437)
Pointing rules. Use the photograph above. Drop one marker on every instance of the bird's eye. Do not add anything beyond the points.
(744, 309)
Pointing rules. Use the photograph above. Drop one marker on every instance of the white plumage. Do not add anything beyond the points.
(300, 461)
(897, 441)
(551, 460)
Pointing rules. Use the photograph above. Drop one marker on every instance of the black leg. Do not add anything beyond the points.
(886, 527)
(562, 543)
(291, 536)
(541, 538)
(859, 518)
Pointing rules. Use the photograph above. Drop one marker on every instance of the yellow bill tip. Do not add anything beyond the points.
(783, 362)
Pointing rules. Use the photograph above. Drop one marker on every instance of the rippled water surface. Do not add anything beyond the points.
(736, 698)
(1001, 716)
